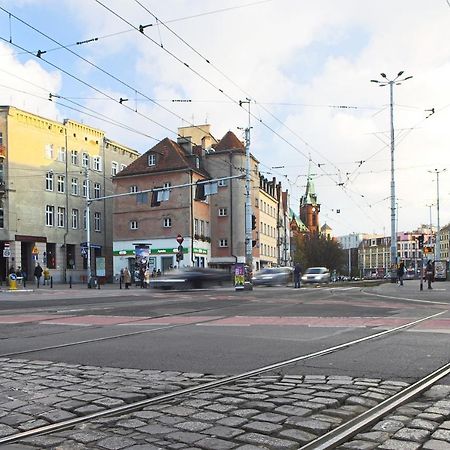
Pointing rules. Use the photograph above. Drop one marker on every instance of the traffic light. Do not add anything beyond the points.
(420, 239)
(179, 255)
(253, 222)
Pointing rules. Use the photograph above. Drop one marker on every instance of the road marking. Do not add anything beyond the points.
(404, 298)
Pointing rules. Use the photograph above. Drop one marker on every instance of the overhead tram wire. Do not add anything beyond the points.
(105, 72)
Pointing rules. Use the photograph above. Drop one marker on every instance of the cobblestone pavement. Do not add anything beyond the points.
(268, 412)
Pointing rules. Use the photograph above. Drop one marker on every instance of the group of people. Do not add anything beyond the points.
(428, 274)
(38, 273)
(143, 276)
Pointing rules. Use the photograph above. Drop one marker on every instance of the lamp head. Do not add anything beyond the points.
(383, 75)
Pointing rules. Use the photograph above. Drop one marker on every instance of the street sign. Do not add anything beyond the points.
(180, 239)
(6, 252)
(35, 251)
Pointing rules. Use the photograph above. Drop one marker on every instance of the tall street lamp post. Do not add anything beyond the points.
(390, 82)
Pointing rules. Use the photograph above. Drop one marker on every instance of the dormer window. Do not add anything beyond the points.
(152, 159)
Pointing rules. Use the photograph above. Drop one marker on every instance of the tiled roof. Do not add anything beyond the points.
(229, 142)
(169, 156)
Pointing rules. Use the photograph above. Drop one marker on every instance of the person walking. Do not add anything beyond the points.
(401, 273)
(297, 275)
(126, 278)
(38, 274)
(429, 273)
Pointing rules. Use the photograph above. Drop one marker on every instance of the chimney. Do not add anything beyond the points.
(186, 144)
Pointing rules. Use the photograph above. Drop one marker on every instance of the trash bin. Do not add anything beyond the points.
(12, 281)
(92, 283)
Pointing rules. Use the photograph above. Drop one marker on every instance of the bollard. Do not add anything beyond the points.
(70, 282)
(51, 282)
(12, 282)
(98, 284)
(24, 282)
(120, 282)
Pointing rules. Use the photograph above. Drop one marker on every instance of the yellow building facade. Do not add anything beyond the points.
(48, 170)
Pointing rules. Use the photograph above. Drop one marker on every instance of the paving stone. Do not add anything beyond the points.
(423, 424)
(245, 412)
(436, 445)
(366, 402)
(32, 424)
(56, 415)
(293, 410)
(393, 444)
(445, 425)
(411, 434)
(437, 392)
(359, 445)
(231, 421)
(310, 425)
(115, 443)
(223, 431)
(107, 402)
(155, 430)
(388, 425)
(179, 411)
(87, 436)
(44, 441)
(373, 436)
(441, 434)
(263, 441)
(209, 416)
(298, 435)
(88, 409)
(6, 430)
(215, 444)
(131, 423)
(262, 427)
(14, 419)
(185, 437)
(193, 426)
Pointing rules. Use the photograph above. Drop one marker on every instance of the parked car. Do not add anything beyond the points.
(272, 276)
(316, 275)
(190, 278)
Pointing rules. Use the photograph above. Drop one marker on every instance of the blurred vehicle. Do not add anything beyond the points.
(190, 278)
(316, 275)
(272, 276)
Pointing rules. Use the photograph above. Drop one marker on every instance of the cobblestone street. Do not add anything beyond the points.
(272, 411)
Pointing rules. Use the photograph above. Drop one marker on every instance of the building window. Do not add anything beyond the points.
(97, 221)
(167, 222)
(2, 218)
(223, 243)
(202, 227)
(114, 168)
(152, 159)
(49, 215)
(85, 160)
(49, 151)
(61, 184)
(74, 157)
(195, 226)
(61, 154)
(70, 256)
(142, 198)
(97, 190)
(223, 212)
(75, 218)
(49, 177)
(167, 185)
(207, 229)
(133, 188)
(49, 258)
(74, 184)
(133, 225)
(97, 163)
(85, 188)
(61, 217)
(222, 183)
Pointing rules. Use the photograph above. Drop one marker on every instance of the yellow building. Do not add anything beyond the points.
(47, 171)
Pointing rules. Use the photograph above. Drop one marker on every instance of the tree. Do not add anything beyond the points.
(313, 251)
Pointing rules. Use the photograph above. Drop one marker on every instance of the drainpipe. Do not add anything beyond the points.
(230, 157)
(191, 207)
(67, 205)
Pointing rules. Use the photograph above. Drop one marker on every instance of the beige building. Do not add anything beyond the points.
(47, 171)
(444, 241)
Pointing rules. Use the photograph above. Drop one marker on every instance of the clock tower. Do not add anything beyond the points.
(309, 208)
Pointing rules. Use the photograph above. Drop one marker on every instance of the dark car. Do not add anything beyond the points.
(316, 275)
(190, 278)
(272, 276)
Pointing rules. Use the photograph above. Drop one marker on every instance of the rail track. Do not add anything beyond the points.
(325, 442)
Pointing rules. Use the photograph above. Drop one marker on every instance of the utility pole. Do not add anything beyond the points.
(397, 81)
(437, 247)
(248, 198)
(88, 228)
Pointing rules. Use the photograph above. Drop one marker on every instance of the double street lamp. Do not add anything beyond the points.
(391, 82)
(437, 247)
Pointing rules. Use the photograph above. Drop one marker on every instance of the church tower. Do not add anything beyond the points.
(309, 208)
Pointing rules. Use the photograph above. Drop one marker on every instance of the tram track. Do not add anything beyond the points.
(135, 406)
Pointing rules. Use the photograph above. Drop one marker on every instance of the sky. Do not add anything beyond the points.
(305, 67)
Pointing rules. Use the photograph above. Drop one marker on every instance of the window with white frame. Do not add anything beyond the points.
(114, 168)
(97, 163)
(49, 151)
(49, 177)
(151, 159)
(167, 185)
(223, 212)
(222, 183)
(61, 154)
(133, 225)
(61, 184)
(97, 190)
(202, 227)
(61, 217)
(85, 159)
(223, 243)
(206, 228)
(167, 222)
(49, 215)
(195, 226)
(74, 186)
(85, 188)
(97, 221)
(74, 157)
(75, 218)
(133, 188)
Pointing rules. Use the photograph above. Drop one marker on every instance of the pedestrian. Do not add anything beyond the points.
(401, 273)
(38, 274)
(147, 277)
(154, 273)
(158, 273)
(429, 273)
(46, 276)
(142, 277)
(126, 278)
(297, 275)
